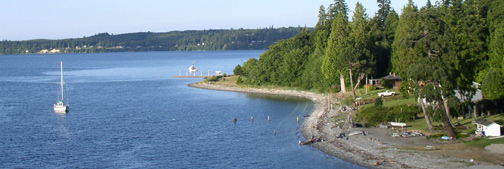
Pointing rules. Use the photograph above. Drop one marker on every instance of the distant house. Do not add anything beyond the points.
(396, 81)
(487, 128)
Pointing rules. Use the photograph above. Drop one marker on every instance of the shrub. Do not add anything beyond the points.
(376, 115)
(214, 78)
(239, 80)
(378, 102)
(348, 101)
(238, 70)
(404, 91)
(371, 87)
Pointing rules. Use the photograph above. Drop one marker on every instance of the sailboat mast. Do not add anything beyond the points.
(62, 95)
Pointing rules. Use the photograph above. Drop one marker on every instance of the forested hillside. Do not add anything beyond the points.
(233, 39)
(436, 49)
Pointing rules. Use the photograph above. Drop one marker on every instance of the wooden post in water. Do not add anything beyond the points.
(274, 132)
(298, 120)
(268, 119)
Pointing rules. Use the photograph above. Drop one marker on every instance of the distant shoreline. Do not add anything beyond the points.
(376, 150)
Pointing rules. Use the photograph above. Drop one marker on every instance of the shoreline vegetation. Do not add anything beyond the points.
(376, 149)
(189, 40)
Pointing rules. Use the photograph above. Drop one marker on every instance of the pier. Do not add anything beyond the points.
(192, 76)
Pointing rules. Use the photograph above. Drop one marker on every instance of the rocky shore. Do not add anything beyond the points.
(376, 149)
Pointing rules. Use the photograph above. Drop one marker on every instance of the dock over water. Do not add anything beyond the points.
(192, 76)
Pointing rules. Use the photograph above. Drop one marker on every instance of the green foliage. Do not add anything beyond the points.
(339, 48)
(376, 115)
(214, 78)
(468, 29)
(378, 102)
(403, 56)
(493, 85)
(404, 89)
(238, 70)
(348, 101)
(484, 142)
(233, 39)
(239, 80)
(371, 87)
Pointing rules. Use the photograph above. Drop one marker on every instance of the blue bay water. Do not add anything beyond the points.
(127, 111)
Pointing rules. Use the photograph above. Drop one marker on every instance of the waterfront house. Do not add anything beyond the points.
(392, 77)
(487, 128)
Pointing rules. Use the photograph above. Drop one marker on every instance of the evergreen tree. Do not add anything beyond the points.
(360, 38)
(402, 53)
(338, 7)
(492, 87)
(468, 42)
(495, 22)
(383, 11)
(361, 44)
(434, 63)
(339, 50)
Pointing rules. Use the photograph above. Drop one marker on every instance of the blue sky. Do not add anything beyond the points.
(59, 19)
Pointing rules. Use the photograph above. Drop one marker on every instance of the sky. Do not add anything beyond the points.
(61, 19)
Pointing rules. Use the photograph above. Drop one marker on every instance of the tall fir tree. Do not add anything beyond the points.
(338, 51)
(402, 54)
(468, 42)
(383, 11)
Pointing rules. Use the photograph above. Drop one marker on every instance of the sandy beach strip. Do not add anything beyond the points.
(375, 150)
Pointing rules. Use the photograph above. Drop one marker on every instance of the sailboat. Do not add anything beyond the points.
(61, 106)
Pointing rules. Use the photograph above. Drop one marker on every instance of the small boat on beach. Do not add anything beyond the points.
(61, 106)
(397, 124)
(310, 141)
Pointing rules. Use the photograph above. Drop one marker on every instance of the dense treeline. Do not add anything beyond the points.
(437, 50)
(233, 39)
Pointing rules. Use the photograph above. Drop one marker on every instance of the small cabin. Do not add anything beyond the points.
(487, 128)
(393, 77)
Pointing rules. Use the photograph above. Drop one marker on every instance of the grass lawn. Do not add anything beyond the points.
(389, 101)
(484, 142)
(421, 124)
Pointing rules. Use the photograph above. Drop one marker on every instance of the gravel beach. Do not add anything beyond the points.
(376, 149)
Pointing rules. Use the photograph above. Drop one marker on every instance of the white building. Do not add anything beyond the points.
(487, 128)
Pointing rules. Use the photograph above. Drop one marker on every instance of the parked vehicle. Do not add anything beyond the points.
(386, 93)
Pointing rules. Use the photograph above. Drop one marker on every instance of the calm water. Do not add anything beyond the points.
(126, 111)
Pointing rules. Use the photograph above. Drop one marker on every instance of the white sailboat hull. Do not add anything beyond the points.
(60, 109)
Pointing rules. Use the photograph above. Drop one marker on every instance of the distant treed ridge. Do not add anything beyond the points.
(191, 40)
